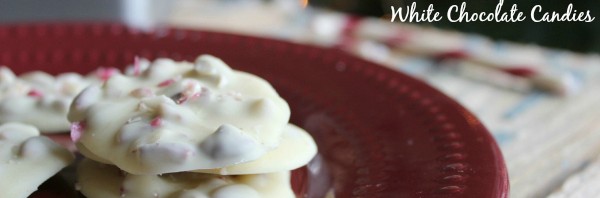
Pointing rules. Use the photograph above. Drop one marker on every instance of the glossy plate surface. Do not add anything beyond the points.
(380, 133)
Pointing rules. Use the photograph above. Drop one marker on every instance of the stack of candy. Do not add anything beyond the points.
(182, 129)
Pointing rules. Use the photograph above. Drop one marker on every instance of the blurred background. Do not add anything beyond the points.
(534, 85)
(576, 36)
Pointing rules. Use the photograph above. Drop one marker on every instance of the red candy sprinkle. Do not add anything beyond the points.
(136, 66)
(166, 83)
(106, 73)
(156, 122)
(184, 99)
(35, 93)
(521, 71)
(76, 130)
(455, 54)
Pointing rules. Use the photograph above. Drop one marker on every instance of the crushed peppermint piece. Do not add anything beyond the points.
(105, 73)
(35, 93)
(136, 66)
(77, 130)
(156, 122)
(166, 83)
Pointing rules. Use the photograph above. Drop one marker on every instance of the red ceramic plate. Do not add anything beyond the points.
(380, 133)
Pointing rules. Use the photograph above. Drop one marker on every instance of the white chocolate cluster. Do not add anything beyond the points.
(105, 181)
(203, 121)
(43, 100)
(27, 159)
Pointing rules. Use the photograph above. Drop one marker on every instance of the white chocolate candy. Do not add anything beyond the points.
(106, 181)
(27, 159)
(297, 148)
(179, 116)
(42, 100)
